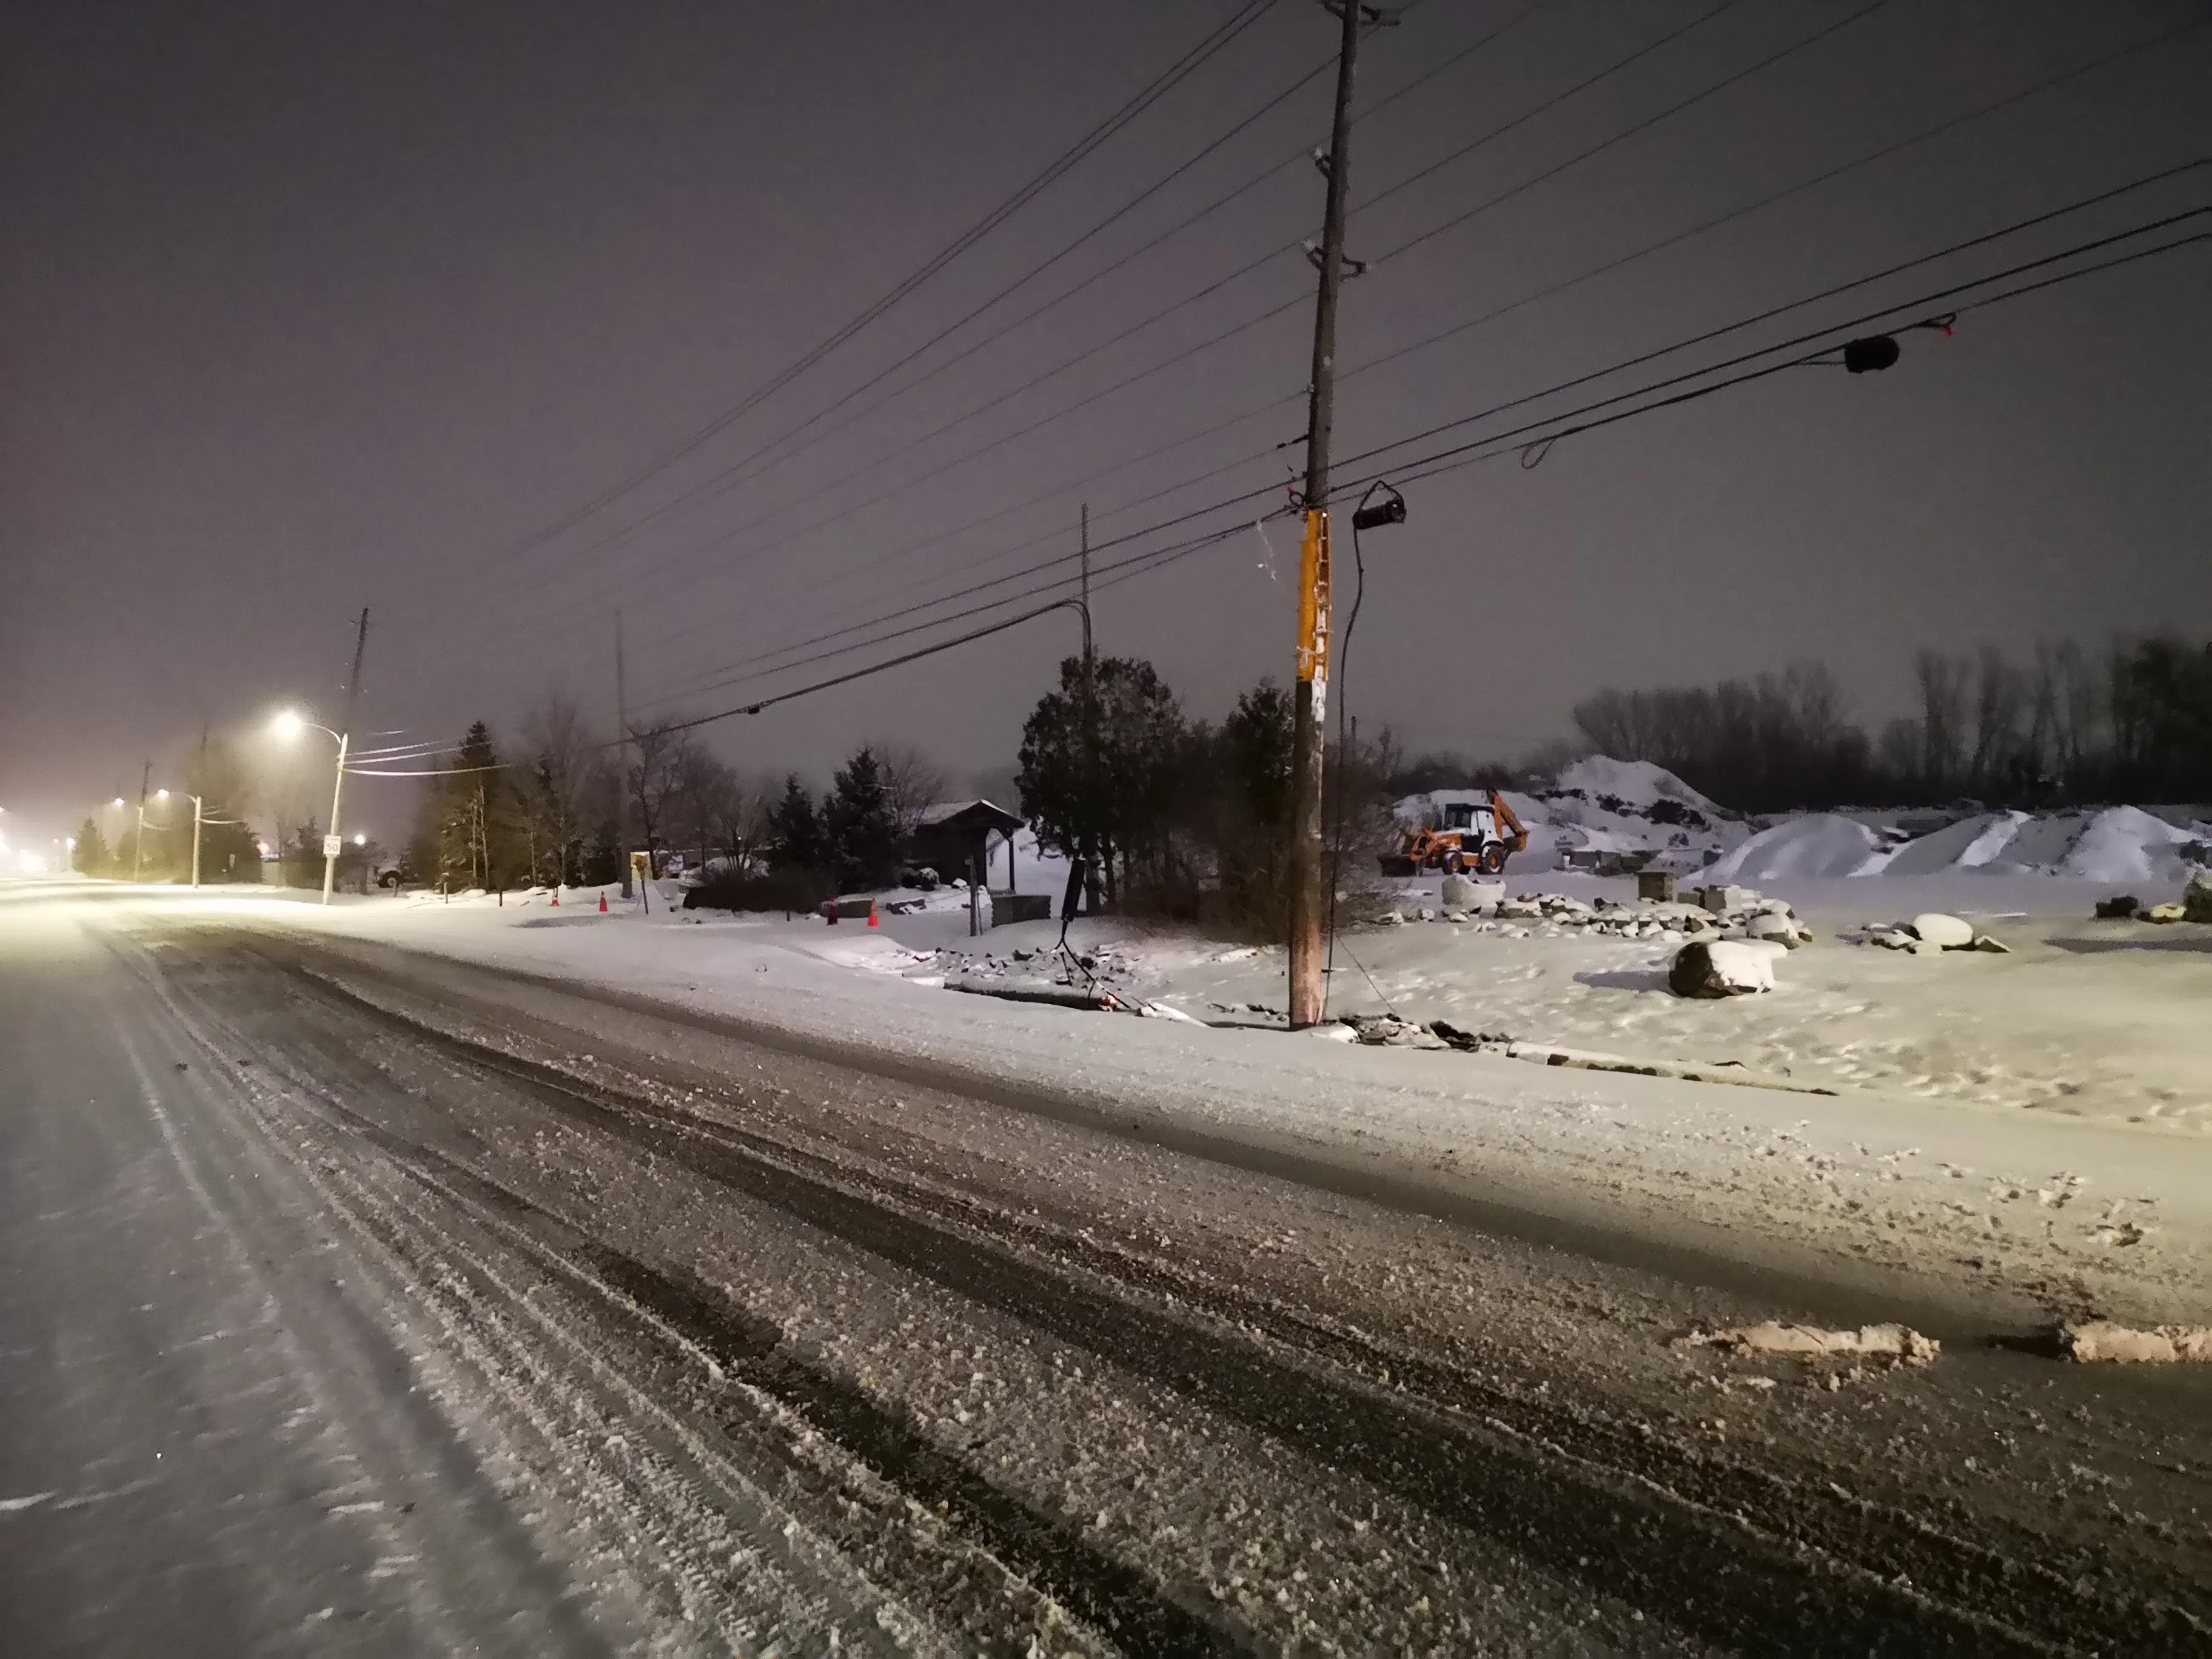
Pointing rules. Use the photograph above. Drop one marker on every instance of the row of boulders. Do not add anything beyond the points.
(1930, 933)
(2195, 904)
(1737, 913)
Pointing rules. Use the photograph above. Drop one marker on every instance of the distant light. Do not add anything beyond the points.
(118, 800)
(262, 848)
(160, 795)
(361, 841)
(72, 844)
(32, 863)
(287, 723)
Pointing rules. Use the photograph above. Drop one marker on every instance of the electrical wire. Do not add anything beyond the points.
(1887, 150)
(1494, 409)
(1427, 467)
(1400, 470)
(1210, 289)
(1173, 75)
(1867, 159)
(1647, 123)
(734, 473)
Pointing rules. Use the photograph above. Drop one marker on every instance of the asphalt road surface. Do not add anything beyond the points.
(356, 1301)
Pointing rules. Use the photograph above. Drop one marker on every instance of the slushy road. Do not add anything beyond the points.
(354, 1300)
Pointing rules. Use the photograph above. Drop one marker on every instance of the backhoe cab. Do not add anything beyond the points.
(1474, 838)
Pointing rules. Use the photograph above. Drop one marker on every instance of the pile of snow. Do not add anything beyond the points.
(1819, 847)
(1632, 785)
(1598, 805)
(2127, 844)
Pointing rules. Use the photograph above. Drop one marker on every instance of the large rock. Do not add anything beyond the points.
(1771, 924)
(1721, 968)
(1945, 932)
(1464, 893)
(2197, 897)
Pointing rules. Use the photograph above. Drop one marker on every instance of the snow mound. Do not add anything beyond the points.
(1968, 844)
(1634, 784)
(2127, 844)
(1815, 848)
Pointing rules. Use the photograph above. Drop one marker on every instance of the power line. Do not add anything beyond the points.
(736, 472)
(1521, 442)
(1703, 338)
(1173, 75)
(1863, 320)
(1869, 157)
(1235, 328)
(1649, 121)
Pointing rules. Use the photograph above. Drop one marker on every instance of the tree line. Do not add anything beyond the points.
(2133, 722)
(561, 803)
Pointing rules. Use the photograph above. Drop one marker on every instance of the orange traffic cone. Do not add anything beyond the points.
(557, 898)
(872, 922)
(602, 901)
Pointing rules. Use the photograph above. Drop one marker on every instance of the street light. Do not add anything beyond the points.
(288, 723)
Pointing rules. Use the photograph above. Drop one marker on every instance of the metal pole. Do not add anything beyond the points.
(1307, 909)
(196, 841)
(345, 733)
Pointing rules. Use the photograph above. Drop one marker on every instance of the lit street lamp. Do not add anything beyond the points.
(289, 723)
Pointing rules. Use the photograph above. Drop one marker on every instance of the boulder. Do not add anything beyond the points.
(2169, 911)
(1945, 932)
(2197, 897)
(2118, 909)
(1996, 947)
(1720, 968)
(1466, 893)
(1722, 900)
(1771, 924)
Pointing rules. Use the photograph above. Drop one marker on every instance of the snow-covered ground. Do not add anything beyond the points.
(1993, 1145)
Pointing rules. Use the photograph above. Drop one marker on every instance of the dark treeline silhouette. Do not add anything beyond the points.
(2131, 723)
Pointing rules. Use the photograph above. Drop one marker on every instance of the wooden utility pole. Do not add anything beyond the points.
(622, 755)
(1311, 708)
(1091, 878)
(333, 840)
(138, 846)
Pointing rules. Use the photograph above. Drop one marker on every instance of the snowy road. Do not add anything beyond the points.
(356, 1301)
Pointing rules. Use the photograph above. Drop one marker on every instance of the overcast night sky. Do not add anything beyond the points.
(305, 308)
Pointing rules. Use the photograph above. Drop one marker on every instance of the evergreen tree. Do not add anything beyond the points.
(857, 823)
(460, 812)
(1111, 784)
(794, 831)
(89, 857)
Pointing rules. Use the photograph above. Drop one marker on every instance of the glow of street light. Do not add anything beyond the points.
(118, 800)
(287, 723)
(160, 795)
(361, 841)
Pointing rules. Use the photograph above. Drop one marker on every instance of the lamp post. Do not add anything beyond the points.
(290, 723)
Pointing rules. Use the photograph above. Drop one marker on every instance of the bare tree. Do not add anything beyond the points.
(1998, 696)
(912, 782)
(565, 773)
(1942, 684)
(660, 778)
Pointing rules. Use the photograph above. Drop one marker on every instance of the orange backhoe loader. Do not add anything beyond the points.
(1473, 838)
